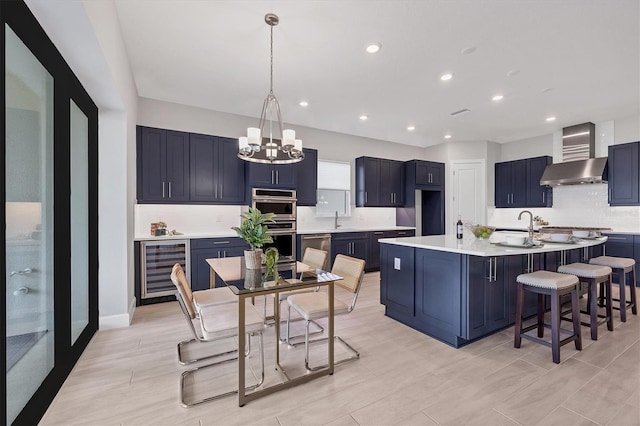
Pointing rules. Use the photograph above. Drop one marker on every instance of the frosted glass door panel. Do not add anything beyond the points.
(79, 221)
(29, 223)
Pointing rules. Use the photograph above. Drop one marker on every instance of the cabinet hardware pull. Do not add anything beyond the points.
(543, 198)
(365, 196)
(221, 242)
(490, 270)
(169, 189)
(162, 189)
(221, 191)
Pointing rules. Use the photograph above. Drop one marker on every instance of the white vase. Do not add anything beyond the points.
(253, 259)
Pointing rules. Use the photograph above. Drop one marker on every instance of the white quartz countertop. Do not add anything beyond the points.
(231, 233)
(477, 247)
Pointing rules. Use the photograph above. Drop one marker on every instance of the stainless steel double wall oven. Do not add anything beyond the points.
(282, 203)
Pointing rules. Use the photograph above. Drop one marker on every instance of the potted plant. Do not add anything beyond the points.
(253, 230)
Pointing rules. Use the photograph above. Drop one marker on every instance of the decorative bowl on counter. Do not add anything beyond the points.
(481, 231)
(559, 237)
(515, 240)
(581, 234)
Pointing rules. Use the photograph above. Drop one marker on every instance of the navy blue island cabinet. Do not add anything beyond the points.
(453, 297)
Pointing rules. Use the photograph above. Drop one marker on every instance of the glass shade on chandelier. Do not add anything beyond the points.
(259, 147)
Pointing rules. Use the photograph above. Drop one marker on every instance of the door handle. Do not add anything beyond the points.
(273, 177)
(162, 189)
(543, 198)
(277, 177)
(22, 272)
(221, 191)
(169, 189)
(490, 270)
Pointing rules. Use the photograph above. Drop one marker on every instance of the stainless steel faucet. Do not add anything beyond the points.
(335, 222)
(530, 222)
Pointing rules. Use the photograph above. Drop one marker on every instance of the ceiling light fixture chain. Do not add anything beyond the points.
(251, 147)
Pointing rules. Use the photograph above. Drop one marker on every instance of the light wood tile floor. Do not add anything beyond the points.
(130, 376)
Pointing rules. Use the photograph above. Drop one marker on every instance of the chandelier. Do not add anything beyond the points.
(260, 148)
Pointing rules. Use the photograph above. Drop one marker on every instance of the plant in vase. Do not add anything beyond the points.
(271, 256)
(253, 230)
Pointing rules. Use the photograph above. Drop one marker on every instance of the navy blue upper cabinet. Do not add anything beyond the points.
(163, 165)
(307, 178)
(428, 174)
(511, 183)
(538, 195)
(272, 175)
(217, 174)
(624, 176)
(379, 182)
(517, 183)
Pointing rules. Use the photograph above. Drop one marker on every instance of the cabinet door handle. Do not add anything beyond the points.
(543, 198)
(221, 191)
(277, 177)
(490, 277)
(162, 189)
(169, 189)
(221, 242)
(365, 196)
(273, 179)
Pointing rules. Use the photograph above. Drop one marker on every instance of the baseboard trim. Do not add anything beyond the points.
(118, 321)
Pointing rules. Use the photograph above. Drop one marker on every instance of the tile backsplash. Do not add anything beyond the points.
(576, 205)
(202, 219)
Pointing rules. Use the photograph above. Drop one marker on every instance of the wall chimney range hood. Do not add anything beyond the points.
(578, 166)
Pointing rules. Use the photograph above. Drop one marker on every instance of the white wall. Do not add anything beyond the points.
(88, 36)
(627, 130)
(117, 173)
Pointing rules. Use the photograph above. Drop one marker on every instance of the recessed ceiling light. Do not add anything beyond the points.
(446, 77)
(304, 103)
(411, 128)
(447, 136)
(547, 90)
(550, 119)
(513, 72)
(468, 50)
(497, 97)
(364, 117)
(374, 47)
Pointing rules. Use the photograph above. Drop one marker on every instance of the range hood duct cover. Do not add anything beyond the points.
(579, 166)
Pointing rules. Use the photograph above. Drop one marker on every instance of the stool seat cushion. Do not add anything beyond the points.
(613, 262)
(547, 279)
(584, 270)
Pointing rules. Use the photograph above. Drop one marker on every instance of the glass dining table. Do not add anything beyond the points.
(250, 283)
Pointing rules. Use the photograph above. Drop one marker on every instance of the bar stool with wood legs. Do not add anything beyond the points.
(555, 285)
(625, 267)
(593, 275)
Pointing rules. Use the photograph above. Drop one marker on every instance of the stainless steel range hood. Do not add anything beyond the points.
(578, 166)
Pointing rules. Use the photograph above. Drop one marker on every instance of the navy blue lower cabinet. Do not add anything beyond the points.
(488, 303)
(453, 297)
(438, 294)
(397, 285)
(210, 248)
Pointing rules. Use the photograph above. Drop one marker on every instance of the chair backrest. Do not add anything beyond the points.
(315, 258)
(179, 279)
(352, 271)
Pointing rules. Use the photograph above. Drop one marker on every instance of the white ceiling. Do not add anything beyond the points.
(215, 54)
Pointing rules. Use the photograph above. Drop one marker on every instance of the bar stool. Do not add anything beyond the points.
(554, 285)
(623, 266)
(593, 275)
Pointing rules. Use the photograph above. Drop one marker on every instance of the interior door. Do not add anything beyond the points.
(469, 200)
(29, 223)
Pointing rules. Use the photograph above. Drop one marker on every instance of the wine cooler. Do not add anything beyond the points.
(157, 258)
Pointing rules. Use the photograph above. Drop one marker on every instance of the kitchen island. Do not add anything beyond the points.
(458, 291)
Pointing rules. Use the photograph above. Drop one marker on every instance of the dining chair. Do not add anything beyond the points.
(316, 259)
(217, 322)
(313, 306)
(193, 303)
